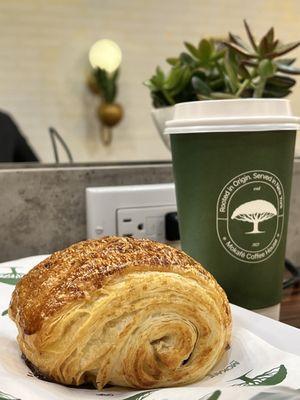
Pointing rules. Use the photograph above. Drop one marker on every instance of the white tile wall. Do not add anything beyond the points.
(43, 62)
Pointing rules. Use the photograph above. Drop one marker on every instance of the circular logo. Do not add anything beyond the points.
(250, 215)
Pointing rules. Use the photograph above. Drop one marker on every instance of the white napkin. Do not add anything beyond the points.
(251, 369)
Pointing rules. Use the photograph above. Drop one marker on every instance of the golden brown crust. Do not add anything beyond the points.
(81, 269)
(121, 311)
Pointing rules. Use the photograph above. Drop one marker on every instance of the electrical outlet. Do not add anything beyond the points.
(137, 210)
(143, 222)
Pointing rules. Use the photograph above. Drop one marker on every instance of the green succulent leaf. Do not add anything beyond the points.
(203, 97)
(230, 69)
(173, 78)
(172, 61)
(284, 49)
(270, 36)
(182, 82)
(243, 71)
(186, 59)
(238, 41)
(250, 36)
(201, 73)
(275, 93)
(205, 50)
(240, 50)
(250, 63)
(288, 69)
(275, 44)
(266, 68)
(149, 85)
(192, 49)
(285, 61)
(159, 99)
(186, 77)
(281, 81)
(218, 54)
(267, 43)
(220, 96)
(160, 74)
(200, 86)
(216, 84)
(154, 83)
(264, 48)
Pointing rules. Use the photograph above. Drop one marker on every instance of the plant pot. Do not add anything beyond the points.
(160, 117)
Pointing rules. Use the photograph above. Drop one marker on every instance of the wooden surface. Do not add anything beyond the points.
(290, 306)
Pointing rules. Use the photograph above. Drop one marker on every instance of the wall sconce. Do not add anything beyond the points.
(105, 57)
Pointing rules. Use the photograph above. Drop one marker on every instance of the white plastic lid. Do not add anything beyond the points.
(232, 116)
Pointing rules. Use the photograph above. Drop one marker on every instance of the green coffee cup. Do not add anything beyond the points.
(233, 163)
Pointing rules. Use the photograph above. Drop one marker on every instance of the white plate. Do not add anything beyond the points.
(248, 355)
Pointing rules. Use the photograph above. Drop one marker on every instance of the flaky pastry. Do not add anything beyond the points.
(121, 311)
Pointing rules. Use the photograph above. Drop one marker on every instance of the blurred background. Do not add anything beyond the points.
(44, 64)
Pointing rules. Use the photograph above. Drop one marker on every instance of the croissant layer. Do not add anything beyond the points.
(121, 311)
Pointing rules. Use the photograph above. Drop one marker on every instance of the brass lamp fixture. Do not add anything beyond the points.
(105, 57)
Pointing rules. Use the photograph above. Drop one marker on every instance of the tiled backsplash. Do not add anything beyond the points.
(43, 209)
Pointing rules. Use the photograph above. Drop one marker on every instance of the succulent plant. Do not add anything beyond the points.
(178, 84)
(175, 87)
(222, 69)
(266, 74)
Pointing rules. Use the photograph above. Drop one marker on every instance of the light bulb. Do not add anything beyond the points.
(105, 54)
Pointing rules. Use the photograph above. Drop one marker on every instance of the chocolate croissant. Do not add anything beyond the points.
(121, 311)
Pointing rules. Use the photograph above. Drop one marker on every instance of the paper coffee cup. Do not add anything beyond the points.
(233, 162)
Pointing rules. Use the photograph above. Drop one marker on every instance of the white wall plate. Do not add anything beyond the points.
(105, 206)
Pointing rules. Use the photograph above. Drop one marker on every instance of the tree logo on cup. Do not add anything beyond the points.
(254, 211)
(250, 215)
